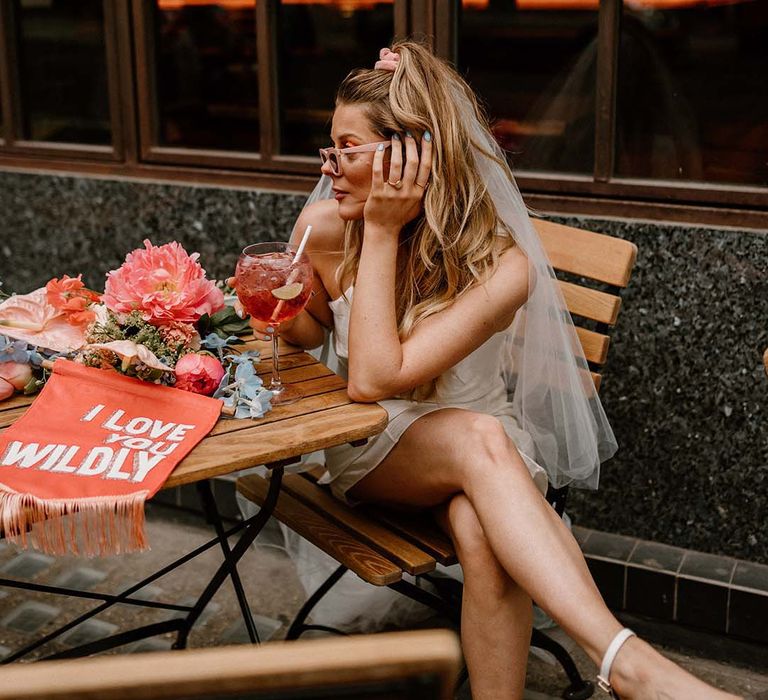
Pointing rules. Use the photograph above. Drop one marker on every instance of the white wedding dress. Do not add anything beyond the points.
(477, 383)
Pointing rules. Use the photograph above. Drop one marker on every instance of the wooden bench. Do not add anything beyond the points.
(380, 545)
(402, 665)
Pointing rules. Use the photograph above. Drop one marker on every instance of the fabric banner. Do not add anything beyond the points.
(76, 468)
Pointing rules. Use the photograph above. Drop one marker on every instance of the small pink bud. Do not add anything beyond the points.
(16, 373)
(6, 390)
(198, 373)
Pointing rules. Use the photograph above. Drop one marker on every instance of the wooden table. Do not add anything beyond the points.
(323, 418)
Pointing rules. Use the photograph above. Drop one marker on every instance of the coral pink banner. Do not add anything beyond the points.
(76, 468)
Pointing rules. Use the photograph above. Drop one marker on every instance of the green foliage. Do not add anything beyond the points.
(223, 323)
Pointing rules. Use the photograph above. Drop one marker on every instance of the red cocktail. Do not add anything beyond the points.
(273, 285)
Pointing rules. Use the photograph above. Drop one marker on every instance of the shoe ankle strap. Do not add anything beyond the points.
(603, 679)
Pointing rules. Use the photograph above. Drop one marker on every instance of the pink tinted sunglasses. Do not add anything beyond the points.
(333, 155)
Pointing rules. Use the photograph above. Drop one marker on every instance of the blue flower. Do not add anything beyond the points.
(14, 350)
(215, 342)
(242, 389)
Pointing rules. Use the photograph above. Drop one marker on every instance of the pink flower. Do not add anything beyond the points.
(16, 374)
(6, 390)
(180, 335)
(164, 283)
(70, 296)
(31, 318)
(198, 373)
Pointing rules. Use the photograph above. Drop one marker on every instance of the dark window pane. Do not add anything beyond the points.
(535, 69)
(693, 92)
(320, 42)
(63, 71)
(207, 84)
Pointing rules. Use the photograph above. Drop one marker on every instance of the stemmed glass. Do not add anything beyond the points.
(274, 285)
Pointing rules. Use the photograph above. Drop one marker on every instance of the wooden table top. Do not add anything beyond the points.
(325, 417)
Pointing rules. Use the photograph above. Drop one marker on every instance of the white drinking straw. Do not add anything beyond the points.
(303, 243)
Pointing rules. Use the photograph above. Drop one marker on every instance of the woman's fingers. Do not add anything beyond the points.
(425, 163)
(412, 159)
(396, 160)
(262, 331)
(378, 168)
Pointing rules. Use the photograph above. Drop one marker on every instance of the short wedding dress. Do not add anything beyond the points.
(477, 383)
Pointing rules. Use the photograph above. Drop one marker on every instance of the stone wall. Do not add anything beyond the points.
(684, 386)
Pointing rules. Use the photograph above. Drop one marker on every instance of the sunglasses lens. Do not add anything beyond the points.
(335, 166)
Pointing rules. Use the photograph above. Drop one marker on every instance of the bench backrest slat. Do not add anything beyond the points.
(590, 256)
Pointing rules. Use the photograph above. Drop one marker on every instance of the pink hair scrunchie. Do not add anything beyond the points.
(387, 60)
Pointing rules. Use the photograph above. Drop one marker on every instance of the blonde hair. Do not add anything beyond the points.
(454, 244)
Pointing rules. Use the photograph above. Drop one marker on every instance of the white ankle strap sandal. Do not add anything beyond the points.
(603, 678)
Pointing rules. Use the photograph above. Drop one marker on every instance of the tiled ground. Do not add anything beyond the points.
(271, 585)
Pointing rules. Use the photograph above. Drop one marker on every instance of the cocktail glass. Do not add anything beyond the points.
(273, 285)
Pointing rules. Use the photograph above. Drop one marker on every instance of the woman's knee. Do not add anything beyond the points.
(494, 451)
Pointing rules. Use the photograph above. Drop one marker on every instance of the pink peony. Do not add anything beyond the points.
(198, 373)
(164, 283)
(16, 374)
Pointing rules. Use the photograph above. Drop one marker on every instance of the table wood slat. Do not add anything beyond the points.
(311, 404)
(262, 444)
(298, 359)
(16, 402)
(299, 374)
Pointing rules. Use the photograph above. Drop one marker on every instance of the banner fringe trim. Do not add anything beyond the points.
(92, 526)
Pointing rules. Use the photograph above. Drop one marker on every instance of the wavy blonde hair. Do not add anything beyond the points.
(454, 243)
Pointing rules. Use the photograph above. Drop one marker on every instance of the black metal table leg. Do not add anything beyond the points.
(250, 532)
(214, 517)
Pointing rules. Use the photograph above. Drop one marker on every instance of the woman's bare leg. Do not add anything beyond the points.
(496, 613)
(452, 451)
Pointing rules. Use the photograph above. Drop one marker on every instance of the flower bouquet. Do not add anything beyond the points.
(159, 319)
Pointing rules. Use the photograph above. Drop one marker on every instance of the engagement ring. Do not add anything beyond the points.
(397, 185)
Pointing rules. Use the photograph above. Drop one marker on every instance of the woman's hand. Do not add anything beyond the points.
(396, 200)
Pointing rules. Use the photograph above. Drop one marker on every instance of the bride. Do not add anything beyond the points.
(439, 295)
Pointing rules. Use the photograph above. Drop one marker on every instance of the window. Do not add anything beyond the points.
(205, 70)
(693, 98)
(319, 43)
(62, 71)
(535, 68)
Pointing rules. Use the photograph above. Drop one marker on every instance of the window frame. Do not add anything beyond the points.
(13, 142)
(135, 152)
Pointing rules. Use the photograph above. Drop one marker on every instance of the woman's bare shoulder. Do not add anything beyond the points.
(508, 285)
(327, 228)
(512, 268)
